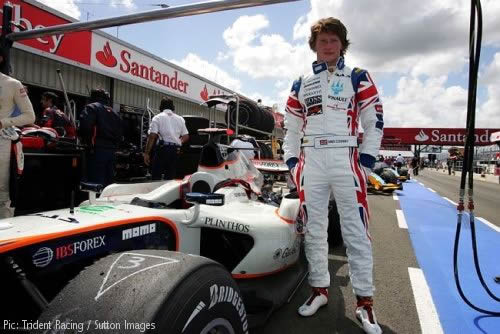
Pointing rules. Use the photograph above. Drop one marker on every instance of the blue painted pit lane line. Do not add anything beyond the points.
(432, 223)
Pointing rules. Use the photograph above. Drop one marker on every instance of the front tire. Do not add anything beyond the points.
(152, 291)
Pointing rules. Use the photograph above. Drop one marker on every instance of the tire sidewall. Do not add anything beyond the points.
(217, 297)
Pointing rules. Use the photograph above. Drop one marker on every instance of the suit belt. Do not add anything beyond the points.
(329, 141)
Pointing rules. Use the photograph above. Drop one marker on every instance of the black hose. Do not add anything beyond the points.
(474, 56)
(28, 286)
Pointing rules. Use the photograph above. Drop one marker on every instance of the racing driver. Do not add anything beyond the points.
(322, 116)
(12, 94)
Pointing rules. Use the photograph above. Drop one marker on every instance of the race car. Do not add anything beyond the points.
(211, 253)
(377, 184)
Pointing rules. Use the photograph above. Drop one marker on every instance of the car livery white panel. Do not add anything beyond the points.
(276, 245)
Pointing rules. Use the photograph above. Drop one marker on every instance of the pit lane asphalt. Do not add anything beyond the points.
(394, 302)
(486, 194)
(393, 255)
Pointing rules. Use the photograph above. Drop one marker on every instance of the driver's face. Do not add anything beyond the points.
(328, 47)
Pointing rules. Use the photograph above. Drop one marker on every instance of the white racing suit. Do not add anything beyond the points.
(322, 116)
(12, 93)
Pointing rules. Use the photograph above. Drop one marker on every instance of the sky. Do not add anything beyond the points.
(416, 51)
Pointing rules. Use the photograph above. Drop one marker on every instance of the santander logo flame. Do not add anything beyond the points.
(204, 94)
(106, 57)
(421, 136)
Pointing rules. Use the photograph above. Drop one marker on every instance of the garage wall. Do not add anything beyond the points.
(40, 71)
(137, 96)
(36, 70)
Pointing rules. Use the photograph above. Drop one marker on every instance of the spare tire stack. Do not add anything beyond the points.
(250, 115)
(190, 156)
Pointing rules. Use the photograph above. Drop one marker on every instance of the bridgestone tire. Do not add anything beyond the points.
(193, 123)
(151, 291)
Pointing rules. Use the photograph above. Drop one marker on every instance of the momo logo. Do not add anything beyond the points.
(138, 231)
(421, 136)
(42, 257)
(337, 88)
(106, 57)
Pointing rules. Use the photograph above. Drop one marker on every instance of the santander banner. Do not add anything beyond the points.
(434, 136)
(122, 62)
(72, 46)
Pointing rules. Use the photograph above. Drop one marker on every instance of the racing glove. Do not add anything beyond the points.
(291, 163)
(366, 160)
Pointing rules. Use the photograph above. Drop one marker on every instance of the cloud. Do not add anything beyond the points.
(244, 30)
(264, 55)
(68, 7)
(129, 4)
(488, 113)
(421, 42)
(425, 103)
(195, 64)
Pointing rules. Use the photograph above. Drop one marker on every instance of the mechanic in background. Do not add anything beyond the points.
(400, 161)
(168, 132)
(54, 118)
(12, 94)
(101, 130)
(326, 106)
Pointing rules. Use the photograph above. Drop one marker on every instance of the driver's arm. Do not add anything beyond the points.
(294, 124)
(184, 132)
(184, 139)
(152, 138)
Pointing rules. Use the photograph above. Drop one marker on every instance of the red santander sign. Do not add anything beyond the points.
(72, 46)
(123, 62)
(434, 136)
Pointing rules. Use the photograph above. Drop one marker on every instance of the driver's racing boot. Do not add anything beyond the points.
(318, 298)
(366, 315)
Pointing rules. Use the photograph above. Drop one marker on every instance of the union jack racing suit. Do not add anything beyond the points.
(322, 116)
(12, 93)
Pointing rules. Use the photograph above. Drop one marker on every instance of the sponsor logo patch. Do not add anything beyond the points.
(138, 231)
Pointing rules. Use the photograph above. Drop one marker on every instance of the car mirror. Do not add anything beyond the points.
(207, 199)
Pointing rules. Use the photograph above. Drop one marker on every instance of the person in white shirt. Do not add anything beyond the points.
(400, 161)
(168, 131)
(12, 94)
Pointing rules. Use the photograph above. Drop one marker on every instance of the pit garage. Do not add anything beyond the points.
(136, 80)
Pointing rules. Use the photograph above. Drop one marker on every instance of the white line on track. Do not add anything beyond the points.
(395, 197)
(496, 228)
(449, 200)
(431, 190)
(421, 183)
(401, 219)
(427, 314)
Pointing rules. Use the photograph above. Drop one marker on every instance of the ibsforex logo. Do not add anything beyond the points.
(42, 257)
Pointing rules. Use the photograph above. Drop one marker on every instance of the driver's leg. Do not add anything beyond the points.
(317, 193)
(5, 209)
